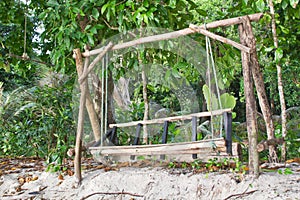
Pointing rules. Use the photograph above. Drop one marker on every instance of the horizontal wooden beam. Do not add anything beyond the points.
(220, 38)
(203, 146)
(170, 119)
(175, 34)
(231, 21)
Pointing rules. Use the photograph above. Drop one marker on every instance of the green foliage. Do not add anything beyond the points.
(40, 119)
(213, 103)
(286, 171)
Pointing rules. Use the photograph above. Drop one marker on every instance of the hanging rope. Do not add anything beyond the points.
(104, 97)
(25, 56)
(102, 101)
(209, 86)
(211, 63)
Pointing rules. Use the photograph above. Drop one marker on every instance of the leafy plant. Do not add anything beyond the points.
(286, 171)
(39, 118)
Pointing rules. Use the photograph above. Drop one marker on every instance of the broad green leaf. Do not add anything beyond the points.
(211, 99)
(201, 12)
(278, 54)
(260, 4)
(284, 4)
(175, 73)
(42, 15)
(145, 18)
(245, 2)
(93, 30)
(99, 26)
(228, 101)
(95, 13)
(91, 39)
(87, 27)
(284, 30)
(294, 3)
(104, 8)
(52, 3)
(269, 49)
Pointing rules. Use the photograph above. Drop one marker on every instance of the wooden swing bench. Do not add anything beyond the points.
(184, 151)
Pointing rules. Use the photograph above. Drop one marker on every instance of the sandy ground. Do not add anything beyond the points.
(152, 183)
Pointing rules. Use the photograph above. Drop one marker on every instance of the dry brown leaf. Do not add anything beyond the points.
(28, 179)
(21, 180)
(60, 177)
(70, 172)
(297, 160)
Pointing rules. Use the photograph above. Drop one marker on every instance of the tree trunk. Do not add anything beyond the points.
(250, 105)
(280, 85)
(145, 98)
(260, 88)
(98, 100)
(78, 147)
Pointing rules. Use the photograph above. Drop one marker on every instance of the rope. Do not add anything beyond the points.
(217, 85)
(102, 101)
(209, 86)
(25, 56)
(106, 93)
(211, 63)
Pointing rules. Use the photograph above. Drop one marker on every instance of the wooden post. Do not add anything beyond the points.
(78, 147)
(164, 137)
(137, 138)
(228, 131)
(250, 105)
(260, 88)
(194, 133)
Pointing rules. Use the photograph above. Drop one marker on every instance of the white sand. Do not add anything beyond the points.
(154, 183)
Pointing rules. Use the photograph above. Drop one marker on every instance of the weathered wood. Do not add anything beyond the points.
(95, 61)
(175, 34)
(194, 133)
(220, 38)
(89, 104)
(260, 87)
(250, 105)
(263, 145)
(231, 21)
(170, 119)
(280, 84)
(78, 146)
(203, 146)
(180, 152)
(228, 131)
(164, 137)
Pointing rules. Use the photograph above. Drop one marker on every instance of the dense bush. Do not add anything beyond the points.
(37, 121)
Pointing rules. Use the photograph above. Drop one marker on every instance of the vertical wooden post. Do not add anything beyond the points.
(83, 86)
(194, 133)
(250, 104)
(228, 131)
(260, 87)
(113, 137)
(137, 138)
(164, 137)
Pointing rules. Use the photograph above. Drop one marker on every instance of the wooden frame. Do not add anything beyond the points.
(246, 49)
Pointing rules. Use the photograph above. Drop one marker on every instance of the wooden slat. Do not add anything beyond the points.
(170, 119)
(204, 146)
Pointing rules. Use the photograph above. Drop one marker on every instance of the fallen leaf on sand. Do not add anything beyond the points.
(60, 177)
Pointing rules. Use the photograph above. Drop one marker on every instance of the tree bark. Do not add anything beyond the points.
(145, 99)
(250, 105)
(260, 88)
(78, 147)
(280, 85)
(176, 34)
